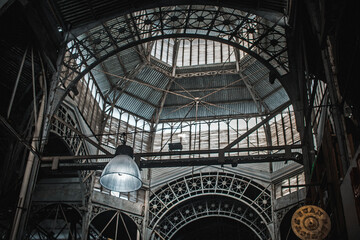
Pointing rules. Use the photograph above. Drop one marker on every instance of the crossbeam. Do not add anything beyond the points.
(206, 161)
(86, 138)
(138, 156)
(268, 118)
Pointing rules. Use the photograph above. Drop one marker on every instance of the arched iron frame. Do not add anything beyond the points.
(117, 213)
(73, 141)
(260, 38)
(59, 212)
(225, 207)
(247, 191)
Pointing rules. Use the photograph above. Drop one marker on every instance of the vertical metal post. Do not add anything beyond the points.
(339, 127)
(53, 98)
(126, 229)
(108, 223)
(32, 164)
(89, 207)
(276, 222)
(138, 236)
(33, 84)
(16, 83)
(21, 206)
(117, 225)
(150, 146)
(146, 214)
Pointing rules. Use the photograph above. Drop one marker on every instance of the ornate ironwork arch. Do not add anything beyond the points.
(255, 196)
(54, 221)
(98, 209)
(222, 207)
(71, 139)
(255, 35)
(116, 217)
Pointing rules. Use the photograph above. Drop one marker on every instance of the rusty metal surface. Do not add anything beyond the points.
(311, 222)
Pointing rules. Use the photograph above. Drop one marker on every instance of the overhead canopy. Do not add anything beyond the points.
(185, 62)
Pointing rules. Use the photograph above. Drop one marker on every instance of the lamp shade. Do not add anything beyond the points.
(121, 174)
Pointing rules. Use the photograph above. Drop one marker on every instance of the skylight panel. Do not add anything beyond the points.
(193, 52)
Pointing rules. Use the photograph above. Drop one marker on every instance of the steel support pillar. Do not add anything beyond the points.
(42, 127)
(335, 103)
(33, 163)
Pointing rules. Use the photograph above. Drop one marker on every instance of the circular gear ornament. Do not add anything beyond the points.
(311, 222)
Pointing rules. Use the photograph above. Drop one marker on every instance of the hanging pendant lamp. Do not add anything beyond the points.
(121, 174)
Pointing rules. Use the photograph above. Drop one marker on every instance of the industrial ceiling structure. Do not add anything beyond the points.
(238, 112)
(230, 85)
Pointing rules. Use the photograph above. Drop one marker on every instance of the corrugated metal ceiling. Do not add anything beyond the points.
(215, 90)
(79, 13)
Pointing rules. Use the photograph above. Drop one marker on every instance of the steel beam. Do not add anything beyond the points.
(138, 156)
(206, 161)
(17, 135)
(268, 118)
(16, 83)
(117, 203)
(213, 103)
(82, 135)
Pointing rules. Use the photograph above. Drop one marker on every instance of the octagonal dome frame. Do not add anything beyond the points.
(263, 40)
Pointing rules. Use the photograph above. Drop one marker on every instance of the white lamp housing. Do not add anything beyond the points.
(121, 174)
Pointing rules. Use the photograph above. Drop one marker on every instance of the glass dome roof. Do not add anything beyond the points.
(187, 52)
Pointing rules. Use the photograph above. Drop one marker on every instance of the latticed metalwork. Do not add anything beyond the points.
(55, 221)
(222, 207)
(60, 126)
(247, 191)
(72, 139)
(255, 35)
(110, 223)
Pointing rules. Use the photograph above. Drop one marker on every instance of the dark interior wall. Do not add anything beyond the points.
(15, 37)
(215, 228)
(331, 27)
(24, 28)
(286, 232)
(345, 35)
(344, 29)
(19, 32)
(106, 221)
(56, 146)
